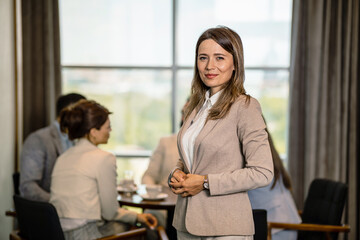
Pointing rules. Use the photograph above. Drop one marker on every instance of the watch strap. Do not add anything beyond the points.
(206, 182)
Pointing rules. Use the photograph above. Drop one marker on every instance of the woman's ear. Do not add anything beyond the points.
(92, 133)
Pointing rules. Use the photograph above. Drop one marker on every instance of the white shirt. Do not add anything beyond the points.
(66, 143)
(196, 126)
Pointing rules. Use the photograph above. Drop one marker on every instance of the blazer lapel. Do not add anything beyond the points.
(209, 125)
(181, 133)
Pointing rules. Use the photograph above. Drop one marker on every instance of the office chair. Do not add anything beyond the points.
(260, 222)
(39, 220)
(162, 233)
(16, 183)
(323, 208)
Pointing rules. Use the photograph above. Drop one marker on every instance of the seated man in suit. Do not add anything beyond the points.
(39, 153)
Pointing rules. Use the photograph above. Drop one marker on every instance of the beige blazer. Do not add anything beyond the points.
(234, 151)
(162, 161)
(83, 185)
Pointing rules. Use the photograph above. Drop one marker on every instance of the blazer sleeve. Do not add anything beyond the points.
(152, 174)
(31, 168)
(257, 170)
(254, 140)
(106, 178)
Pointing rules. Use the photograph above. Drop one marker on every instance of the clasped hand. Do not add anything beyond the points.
(186, 184)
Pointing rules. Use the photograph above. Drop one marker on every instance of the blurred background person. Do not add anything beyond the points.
(162, 161)
(83, 188)
(277, 198)
(40, 151)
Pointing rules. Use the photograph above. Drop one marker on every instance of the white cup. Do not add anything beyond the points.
(153, 190)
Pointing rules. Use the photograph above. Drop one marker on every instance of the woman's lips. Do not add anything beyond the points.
(210, 76)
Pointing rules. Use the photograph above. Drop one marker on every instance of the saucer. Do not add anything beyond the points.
(160, 196)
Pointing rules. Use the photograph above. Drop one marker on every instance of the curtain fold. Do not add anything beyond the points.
(41, 62)
(324, 117)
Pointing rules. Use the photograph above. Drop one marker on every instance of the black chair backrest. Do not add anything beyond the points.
(16, 182)
(37, 220)
(260, 221)
(324, 204)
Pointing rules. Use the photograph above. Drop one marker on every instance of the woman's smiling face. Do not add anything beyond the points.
(215, 65)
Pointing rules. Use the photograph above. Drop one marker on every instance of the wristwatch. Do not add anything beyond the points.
(206, 182)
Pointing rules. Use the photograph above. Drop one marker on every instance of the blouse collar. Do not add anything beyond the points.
(213, 99)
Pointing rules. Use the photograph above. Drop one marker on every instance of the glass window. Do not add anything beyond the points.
(121, 54)
(271, 88)
(263, 25)
(113, 32)
(140, 102)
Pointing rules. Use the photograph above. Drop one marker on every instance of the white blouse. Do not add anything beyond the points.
(197, 125)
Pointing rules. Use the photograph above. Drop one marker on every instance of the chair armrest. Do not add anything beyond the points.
(309, 227)
(162, 233)
(14, 235)
(131, 234)
(10, 213)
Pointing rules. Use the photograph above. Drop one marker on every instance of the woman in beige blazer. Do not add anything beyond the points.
(83, 186)
(223, 146)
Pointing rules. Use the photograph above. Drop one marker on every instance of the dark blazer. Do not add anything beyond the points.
(234, 151)
(38, 156)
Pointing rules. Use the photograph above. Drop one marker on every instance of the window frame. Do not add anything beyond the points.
(174, 68)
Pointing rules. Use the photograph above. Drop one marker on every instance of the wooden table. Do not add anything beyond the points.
(135, 200)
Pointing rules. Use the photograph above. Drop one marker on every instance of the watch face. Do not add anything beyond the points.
(206, 185)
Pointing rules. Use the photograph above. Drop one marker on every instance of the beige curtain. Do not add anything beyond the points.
(324, 108)
(41, 62)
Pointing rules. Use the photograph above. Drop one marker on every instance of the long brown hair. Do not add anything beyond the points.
(77, 120)
(231, 42)
(279, 169)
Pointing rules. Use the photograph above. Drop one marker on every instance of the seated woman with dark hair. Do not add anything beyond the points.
(83, 187)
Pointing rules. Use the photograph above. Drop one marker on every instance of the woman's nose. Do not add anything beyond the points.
(210, 65)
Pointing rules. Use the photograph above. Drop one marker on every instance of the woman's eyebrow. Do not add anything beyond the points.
(216, 54)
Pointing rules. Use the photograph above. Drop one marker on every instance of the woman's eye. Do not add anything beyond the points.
(220, 58)
(202, 58)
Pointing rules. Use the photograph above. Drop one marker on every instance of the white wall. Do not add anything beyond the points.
(7, 115)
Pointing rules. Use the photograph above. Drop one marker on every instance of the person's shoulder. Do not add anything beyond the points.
(103, 158)
(40, 135)
(39, 132)
(248, 109)
(171, 137)
(168, 140)
(90, 154)
(100, 155)
(246, 101)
